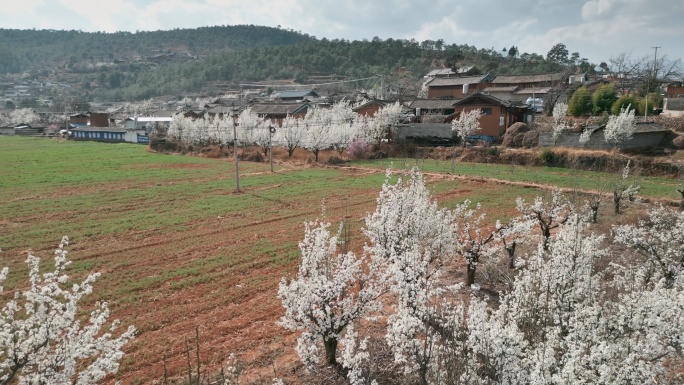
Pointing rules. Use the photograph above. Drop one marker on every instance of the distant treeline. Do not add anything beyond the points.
(237, 54)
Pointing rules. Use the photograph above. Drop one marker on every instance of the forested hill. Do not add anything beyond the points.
(133, 66)
(395, 60)
(22, 50)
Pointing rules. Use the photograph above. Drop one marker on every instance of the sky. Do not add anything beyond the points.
(596, 29)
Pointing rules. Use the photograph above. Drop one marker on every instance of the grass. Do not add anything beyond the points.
(657, 187)
(177, 246)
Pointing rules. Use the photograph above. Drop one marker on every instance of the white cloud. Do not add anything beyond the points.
(595, 9)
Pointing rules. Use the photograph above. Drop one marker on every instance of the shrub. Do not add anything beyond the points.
(623, 102)
(580, 102)
(358, 149)
(652, 104)
(547, 156)
(604, 98)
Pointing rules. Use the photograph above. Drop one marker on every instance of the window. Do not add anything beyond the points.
(486, 111)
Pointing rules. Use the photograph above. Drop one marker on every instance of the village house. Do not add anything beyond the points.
(497, 114)
(674, 90)
(369, 107)
(432, 107)
(276, 112)
(456, 87)
(88, 118)
(295, 96)
(522, 87)
(107, 134)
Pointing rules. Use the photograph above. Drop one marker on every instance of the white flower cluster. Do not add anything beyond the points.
(20, 115)
(42, 338)
(467, 124)
(560, 111)
(620, 127)
(566, 318)
(321, 128)
(331, 291)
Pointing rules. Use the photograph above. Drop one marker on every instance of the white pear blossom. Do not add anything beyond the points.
(290, 134)
(560, 111)
(410, 238)
(43, 339)
(660, 239)
(330, 292)
(620, 127)
(467, 124)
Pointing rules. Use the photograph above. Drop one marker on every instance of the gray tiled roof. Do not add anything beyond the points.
(433, 104)
(278, 108)
(500, 89)
(438, 82)
(520, 79)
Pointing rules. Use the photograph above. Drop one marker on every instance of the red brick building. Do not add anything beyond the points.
(673, 90)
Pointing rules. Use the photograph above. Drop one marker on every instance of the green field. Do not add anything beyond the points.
(178, 247)
(654, 187)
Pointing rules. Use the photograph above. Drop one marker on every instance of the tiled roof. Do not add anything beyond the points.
(298, 94)
(278, 108)
(493, 100)
(369, 103)
(433, 104)
(164, 113)
(520, 79)
(439, 82)
(441, 72)
(649, 127)
(531, 91)
(500, 89)
(222, 110)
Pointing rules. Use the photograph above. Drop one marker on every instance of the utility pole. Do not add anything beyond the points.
(235, 150)
(271, 131)
(648, 84)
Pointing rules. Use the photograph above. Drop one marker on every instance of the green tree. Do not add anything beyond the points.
(580, 102)
(623, 102)
(604, 98)
(513, 51)
(115, 80)
(558, 54)
(653, 103)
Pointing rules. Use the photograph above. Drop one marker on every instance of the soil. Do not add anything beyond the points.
(236, 309)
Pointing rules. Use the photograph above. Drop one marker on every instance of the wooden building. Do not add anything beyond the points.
(276, 112)
(497, 114)
(369, 107)
(456, 87)
(674, 90)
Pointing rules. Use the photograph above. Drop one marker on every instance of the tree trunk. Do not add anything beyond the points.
(290, 151)
(330, 350)
(616, 202)
(594, 212)
(681, 202)
(470, 274)
(316, 155)
(546, 233)
(511, 255)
